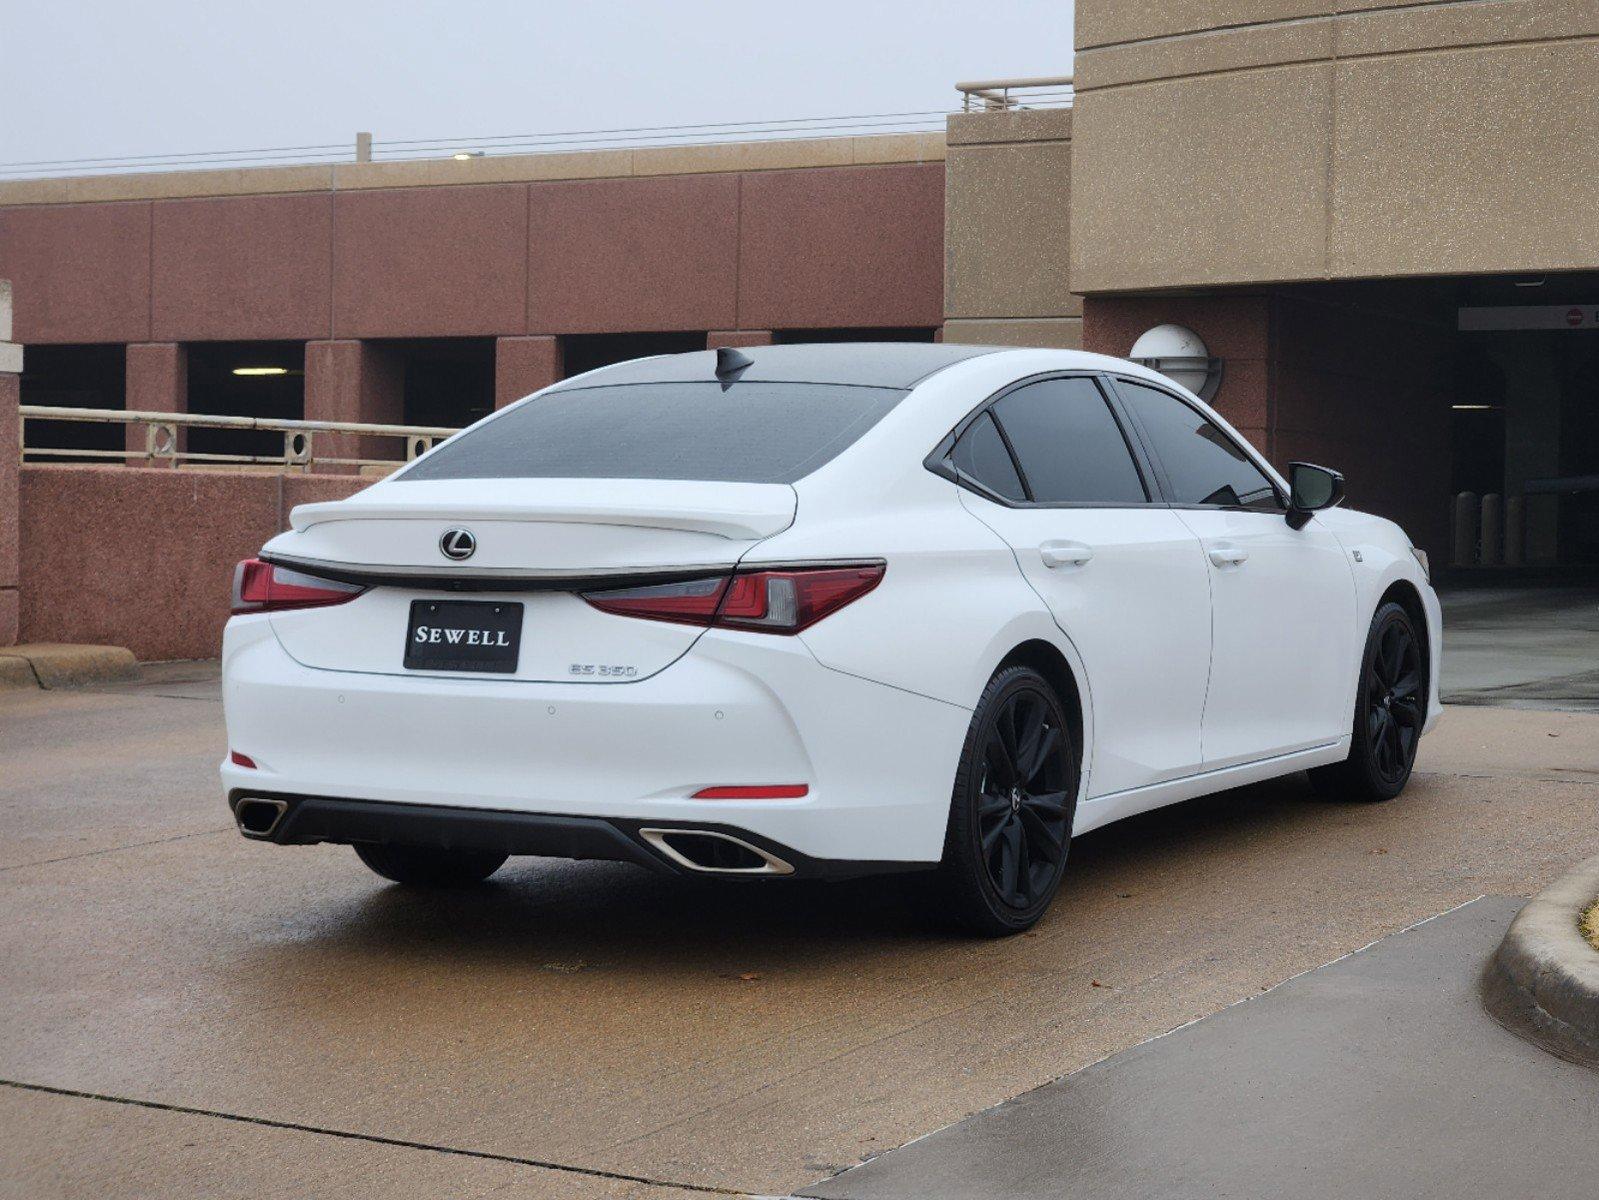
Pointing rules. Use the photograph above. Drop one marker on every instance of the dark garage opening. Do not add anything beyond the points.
(245, 379)
(447, 382)
(590, 351)
(74, 377)
(789, 337)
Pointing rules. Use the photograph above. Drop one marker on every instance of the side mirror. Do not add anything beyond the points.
(1311, 489)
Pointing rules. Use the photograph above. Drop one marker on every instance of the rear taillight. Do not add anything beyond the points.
(261, 587)
(774, 600)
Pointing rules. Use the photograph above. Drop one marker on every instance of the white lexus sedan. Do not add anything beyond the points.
(819, 611)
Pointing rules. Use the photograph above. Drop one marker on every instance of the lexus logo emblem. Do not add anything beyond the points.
(458, 544)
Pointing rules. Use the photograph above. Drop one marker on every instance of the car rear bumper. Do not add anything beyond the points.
(674, 848)
(878, 762)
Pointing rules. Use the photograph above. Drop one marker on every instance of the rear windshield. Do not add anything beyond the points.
(750, 433)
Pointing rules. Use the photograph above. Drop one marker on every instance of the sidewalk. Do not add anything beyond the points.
(1378, 1075)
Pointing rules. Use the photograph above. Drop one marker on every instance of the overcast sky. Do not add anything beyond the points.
(113, 78)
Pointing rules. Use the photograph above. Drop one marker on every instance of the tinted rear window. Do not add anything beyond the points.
(750, 433)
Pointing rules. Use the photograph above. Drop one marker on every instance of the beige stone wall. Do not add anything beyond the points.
(1008, 178)
(866, 150)
(1249, 141)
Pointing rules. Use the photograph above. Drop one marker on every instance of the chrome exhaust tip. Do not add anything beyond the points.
(712, 853)
(257, 818)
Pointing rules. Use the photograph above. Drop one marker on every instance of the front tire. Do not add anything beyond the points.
(1390, 707)
(1011, 814)
(430, 866)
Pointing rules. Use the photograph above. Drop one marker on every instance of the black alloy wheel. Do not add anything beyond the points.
(1390, 709)
(1011, 816)
(1394, 701)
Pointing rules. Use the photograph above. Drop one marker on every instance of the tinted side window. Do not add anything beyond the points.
(1203, 464)
(981, 455)
(1068, 443)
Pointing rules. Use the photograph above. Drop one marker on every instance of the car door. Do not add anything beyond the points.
(1283, 600)
(1048, 466)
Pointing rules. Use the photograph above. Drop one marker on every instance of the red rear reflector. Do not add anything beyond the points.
(770, 600)
(261, 587)
(767, 791)
(241, 760)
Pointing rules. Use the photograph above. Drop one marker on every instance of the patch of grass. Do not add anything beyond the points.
(1589, 924)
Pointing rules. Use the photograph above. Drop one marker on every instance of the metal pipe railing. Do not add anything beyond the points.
(161, 437)
(994, 95)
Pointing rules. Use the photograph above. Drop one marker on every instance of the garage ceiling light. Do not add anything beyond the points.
(1471, 407)
(260, 370)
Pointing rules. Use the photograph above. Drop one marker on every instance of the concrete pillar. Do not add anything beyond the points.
(523, 365)
(349, 380)
(157, 381)
(737, 337)
(10, 475)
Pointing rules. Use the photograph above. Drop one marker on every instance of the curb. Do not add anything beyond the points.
(1543, 981)
(60, 664)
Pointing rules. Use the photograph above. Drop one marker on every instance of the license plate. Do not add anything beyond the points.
(463, 635)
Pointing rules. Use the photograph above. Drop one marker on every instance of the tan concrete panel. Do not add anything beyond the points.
(1435, 26)
(897, 147)
(1012, 125)
(239, 181)
(1204, 53)
(1491, 165)
(80, 273)
(744, 156)
(499, 168)
(1064, 333)
(245, 267)
(1103, 22)
(614, 255)
(1207, 180)
(1006, 247)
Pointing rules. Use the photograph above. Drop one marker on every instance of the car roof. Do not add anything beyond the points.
(861, 364)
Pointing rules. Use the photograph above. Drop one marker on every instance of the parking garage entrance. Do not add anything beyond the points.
(1525, 422)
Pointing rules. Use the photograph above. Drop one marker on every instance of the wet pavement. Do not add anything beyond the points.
(1522, 647)
(188, 1013)
(1376, 1076)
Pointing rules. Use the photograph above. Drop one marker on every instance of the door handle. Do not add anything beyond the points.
(1065, 554)
(1225, 554)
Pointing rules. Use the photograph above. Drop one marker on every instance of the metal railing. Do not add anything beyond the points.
(161, 441)
(996, 95)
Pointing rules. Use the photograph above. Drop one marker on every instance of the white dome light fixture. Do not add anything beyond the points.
(1178, 353)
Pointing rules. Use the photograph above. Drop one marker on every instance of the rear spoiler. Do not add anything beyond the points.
(738, 511)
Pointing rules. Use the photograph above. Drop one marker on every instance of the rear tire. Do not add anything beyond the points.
(1390, 707)
(430, 866)
(1011, 813)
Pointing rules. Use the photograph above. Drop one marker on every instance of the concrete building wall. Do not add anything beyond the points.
(1006, 229)
(97, 558)
(1250, 141)
(836, 233)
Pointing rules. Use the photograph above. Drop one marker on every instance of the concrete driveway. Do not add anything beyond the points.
(188, 1013)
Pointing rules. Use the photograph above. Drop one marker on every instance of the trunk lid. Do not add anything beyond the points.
(537, 543)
